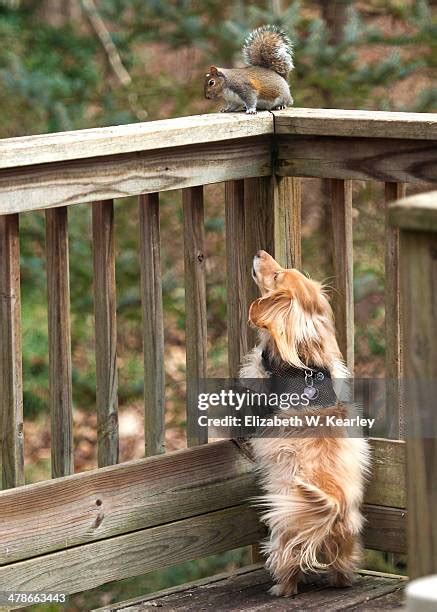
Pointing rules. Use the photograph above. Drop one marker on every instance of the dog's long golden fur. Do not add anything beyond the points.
(313, 485)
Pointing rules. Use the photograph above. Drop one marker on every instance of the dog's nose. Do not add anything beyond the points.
(259, 254)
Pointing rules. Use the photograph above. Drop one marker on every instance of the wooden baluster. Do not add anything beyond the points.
(259, 231)
(287, 202)
(342, 242)
(393, 343)
(236, 275)
(105, 306)
(58, 289)
(418, 265)
(11, 390)
(153, 324)
(195, 307)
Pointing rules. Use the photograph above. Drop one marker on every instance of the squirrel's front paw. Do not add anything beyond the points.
(250, 111)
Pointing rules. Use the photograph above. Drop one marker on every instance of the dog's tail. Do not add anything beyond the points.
(300, 523)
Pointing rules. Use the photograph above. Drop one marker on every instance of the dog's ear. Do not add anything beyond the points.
(274, 313)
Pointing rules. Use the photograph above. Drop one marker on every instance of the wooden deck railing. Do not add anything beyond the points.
(83, 520)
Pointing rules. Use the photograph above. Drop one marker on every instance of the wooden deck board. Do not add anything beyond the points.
(246, 589)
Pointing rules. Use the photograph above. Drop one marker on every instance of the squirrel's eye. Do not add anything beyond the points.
(211, 82)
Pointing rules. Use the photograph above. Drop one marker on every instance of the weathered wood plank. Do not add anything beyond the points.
(236, 270)
(385, 529)
(58, 291)
(86, 567)
(379, 159)
(393, 342)
(247, 589)
(418, 212)
(195, 307)
(92, 505)
(353, 123)
(343, 263)
(153, 324)
(129, 174)
(182, 131)
(418, 266)
(387, 486)
(89, 506)
(114, 140)
(11, 385)
(287, 193)
(105, 307)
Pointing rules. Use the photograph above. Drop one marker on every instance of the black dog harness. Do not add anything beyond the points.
(313, 382)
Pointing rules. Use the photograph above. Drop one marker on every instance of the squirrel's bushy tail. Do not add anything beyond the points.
(269, 47)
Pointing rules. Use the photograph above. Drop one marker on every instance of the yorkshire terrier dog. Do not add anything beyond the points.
(313, 483)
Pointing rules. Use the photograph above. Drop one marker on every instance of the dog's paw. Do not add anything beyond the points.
(283, 590)
(340, 580)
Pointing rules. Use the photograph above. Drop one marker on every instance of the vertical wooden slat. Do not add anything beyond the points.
(58, 289)
(195, 307)
(11, 391)
(259, 231)
(105, 305)
(153, 324)
(393, 343)
(236, 275)
(343, 299)
(418, 265)
(287, 202)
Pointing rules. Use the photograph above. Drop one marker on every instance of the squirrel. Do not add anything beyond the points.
(262, 84)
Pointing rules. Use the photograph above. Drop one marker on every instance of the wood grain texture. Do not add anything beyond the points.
(129, 174)
(259, 232)
(353, 123)
(92, 505)
(58, 292)
(343, 264)
(153, 324)
(86, 567)
(195, 308)
(148, 136)
(379, 159)
(287, 201)
(417, 212)
(105, 308)
(236, 271)
(418, 266)
(385, 529)
(11, 385)
(393, 340)
(246, 589)
(387, 487)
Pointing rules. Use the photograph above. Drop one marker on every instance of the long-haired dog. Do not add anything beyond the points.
(313, 484)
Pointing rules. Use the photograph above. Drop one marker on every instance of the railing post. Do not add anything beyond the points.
(236, 268)
(11, 389)
(58, 290)
(343, 261)
(393, 345)
(287, 193)
(153, 325)
(105, 308)
(417, 219)
(195, 307)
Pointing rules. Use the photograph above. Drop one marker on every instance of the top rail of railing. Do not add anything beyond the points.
(201, 129)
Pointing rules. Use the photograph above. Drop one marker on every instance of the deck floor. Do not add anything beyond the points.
(246, 590)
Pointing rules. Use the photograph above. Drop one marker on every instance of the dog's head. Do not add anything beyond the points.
(296, 313)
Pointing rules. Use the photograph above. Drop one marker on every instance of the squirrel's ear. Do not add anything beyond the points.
(213, 71)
